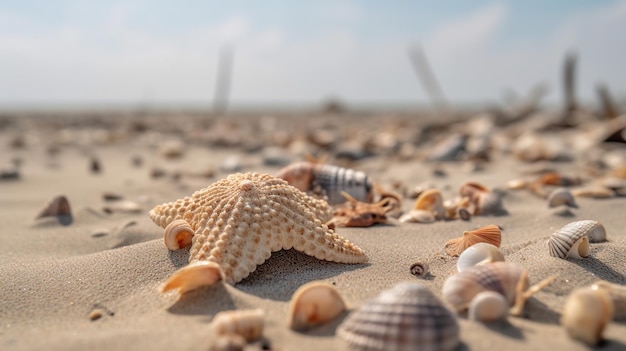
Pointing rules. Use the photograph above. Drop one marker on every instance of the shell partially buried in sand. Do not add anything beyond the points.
(572, 240)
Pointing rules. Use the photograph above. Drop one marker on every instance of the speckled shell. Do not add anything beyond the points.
(247, 323)
(490, 234)
(571, 240)
(328, 180)
(480, 253)
(586, 313)
(502, 277)
(405, 317)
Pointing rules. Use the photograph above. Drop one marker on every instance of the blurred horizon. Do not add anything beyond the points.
(151, 54)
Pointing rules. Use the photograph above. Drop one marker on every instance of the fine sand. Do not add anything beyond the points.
(54, 278)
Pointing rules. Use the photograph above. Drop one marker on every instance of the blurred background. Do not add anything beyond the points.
(277, 53)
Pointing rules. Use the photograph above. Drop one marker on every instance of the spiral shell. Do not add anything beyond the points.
(178, 234)
(405, 317)
(561, 196)
(571, 240)
(247, 323)
(478, 254)
(419, 269)
(586, 313)
(488, 306)
(490, 234)
(314, 304)
(329, 181)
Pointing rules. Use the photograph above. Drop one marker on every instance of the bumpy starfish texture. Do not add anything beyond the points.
(239, 221)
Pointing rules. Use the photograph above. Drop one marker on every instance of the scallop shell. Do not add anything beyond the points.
(506, 278)
(488, 306)
(477, 254)
(405, 317)
(490, 234)
(417, 216)
(313, 304)
(247, 323)
(561, 196)
(618, 296)
(586, 313)
(572, 240)
(431, 200)
(58, 207)
(178, 234)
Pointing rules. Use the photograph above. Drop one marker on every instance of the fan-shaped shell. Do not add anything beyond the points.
(477, 254)
(314, 304)
(490, 234)
(405, 317)
(586, 313)
(502, 277)
(571, 240)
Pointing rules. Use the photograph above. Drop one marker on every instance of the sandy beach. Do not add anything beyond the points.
(94, 284)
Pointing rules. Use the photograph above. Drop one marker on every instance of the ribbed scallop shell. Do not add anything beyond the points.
(490, 234)
(328, 180)
(571, 240)
(502, 277)
(405, 317)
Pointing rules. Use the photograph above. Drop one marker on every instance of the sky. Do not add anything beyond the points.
(304, 52)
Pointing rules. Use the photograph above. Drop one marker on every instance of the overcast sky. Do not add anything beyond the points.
(153, 51)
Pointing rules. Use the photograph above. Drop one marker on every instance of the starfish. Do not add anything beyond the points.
(236, 223)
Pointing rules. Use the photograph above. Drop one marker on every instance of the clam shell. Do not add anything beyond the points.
(480, 253)
(247, 323)
(488, 306)
(586, 313)
(405, 317)
(561, 196)
(490, 234)
(572, 240)
(314, 304)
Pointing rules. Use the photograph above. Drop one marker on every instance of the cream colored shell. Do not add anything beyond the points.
(247, 323)
(488, 306)
(313, 304)
(586, 313)
(480, 253)
(571, 240)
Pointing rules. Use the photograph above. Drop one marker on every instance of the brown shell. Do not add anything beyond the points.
(58, 207)
(490, 234)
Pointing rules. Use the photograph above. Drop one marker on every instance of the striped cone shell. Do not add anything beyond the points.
(405, 317)
(571, 240)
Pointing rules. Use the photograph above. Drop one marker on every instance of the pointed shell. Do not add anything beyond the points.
(247, 323)
(490, 234)
(405, 317)
(313, 304)
(572, 240)
(58, 207)
(561, 196)
(431, 200)
(488, 306)
(178, 234)
(477, 254)
(586, 313)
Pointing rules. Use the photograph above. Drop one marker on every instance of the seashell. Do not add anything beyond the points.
(178, 234)
(558, 179)
(58, 207)
(517, 184)
(194, 276)
(506, 278)
(420, 188)
(485, 201)
(123, 206)
(463, 213)
(452, 206)
(597, 234)
(247, 323)
(617, 293)
(329, 181)
(229, 342)
(572, 240)
(490, 234)
(586, 313)
(172, 149)
(417, 216)
(594, 191)
(405, 317)
(488, 306)
(419, 269)
(431, 200)
(313, 304)
(561, 196)
(477, 254)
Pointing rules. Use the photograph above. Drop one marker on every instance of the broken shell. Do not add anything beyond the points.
(594, 191)
(405, 317)
(247, 323)
(417, 216)
(431, 200)
(178, 234)
(58, 207)
(419, 269)
(572, 240)
(194, 276)
(488, 306)
(586, 313)
(314, 304)
(490, 234)
(561, 196)
(477, 254)
(617, 293)
(506, 278)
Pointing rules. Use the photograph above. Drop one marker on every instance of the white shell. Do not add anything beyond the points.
(417, 216)
(177, 235)
(247, 323)
(586, 313)
(313, 304)
(406, 317)
(488, 306)
(597, 234)
(479, 253)
(561, 196)
(571, 240)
